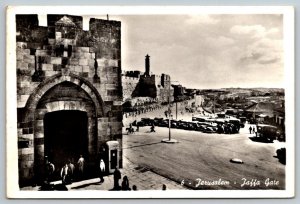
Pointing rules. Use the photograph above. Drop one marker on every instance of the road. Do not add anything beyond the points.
(202, 160)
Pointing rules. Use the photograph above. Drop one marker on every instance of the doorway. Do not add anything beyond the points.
(65, 136)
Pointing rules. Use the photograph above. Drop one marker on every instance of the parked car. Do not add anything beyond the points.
(163, 123)
(147, 121)
(174, 123)
(197, 127)
(182, 124)
(267, 132)
(157, 121)
(202, 128)
(193, 125)
(242, 119)
(209, 129)
(140, 123)
(280, 135)
(236, 123)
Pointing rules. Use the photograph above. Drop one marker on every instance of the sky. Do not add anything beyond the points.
(205, 51)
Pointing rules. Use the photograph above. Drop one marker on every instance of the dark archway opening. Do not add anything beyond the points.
(66, 137)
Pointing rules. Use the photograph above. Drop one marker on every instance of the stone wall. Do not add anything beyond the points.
(49, 56)
(129, 85)
(154, 86)
(145, 87)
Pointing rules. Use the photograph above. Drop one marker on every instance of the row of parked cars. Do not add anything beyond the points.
(207, 127)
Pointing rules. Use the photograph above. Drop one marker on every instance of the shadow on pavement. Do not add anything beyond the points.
(259, 139)
(116, 189)
(52, 187)
(85, 185)
(281, 160)
(130, 147)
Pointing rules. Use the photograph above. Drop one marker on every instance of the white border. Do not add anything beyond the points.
(11, 100)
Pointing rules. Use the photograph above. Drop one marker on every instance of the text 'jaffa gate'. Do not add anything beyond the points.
(68, 90)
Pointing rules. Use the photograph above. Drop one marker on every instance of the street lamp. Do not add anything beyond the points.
(169, 140)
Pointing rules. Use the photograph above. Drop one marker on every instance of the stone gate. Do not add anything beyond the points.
(66, 72)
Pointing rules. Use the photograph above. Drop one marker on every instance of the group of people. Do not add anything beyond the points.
(228, 128)
(125, 183)
(67, 172)
(252, 130)
(130, 129)
(143, 109)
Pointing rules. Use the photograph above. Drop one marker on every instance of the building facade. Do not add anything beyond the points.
(69, 92)
(157, 87)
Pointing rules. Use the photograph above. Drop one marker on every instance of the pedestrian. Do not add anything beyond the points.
(152, 128)
(131, 128)
(253, 130)
(71, 169)
(125, 184)
(164, 187)
(80, 164)
(250, 129)
(50, 168)
(64, 174)
(117, 177)
(102, 170)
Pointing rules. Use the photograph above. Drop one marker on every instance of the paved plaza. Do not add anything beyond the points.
(203, 157)
(141, 177)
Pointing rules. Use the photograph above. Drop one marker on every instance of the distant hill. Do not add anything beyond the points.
(245, 90)
(253, 89)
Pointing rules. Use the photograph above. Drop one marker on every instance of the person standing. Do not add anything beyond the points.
(117, 177)
(253, 130)
(125, 184)
(131, 128)
(64, 174)
(80, 164)
(71, 169)
(250, 129)
(102, 170)
(50, 168)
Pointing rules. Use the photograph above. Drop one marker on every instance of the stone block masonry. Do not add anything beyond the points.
(56, 70)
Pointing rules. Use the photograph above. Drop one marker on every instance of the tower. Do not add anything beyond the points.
(147, 65)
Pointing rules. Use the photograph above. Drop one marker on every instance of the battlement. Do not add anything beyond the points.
(32, 21)
(126, 79)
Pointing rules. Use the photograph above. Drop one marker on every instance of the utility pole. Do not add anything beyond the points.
(169, 140)
(169, 110)
(176, 109)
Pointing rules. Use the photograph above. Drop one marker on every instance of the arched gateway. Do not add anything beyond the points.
(64, 109)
